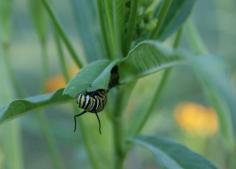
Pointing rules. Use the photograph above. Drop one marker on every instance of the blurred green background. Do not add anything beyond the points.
(215, 21)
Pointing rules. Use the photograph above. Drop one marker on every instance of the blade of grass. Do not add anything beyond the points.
(110, 28)
(40, 26)
(131, 26)
(85, 15)
(103, 27)
(195, 41)
(119, 21)
(85, 138)
(51, 143)
(161, 17)
(41, 117)
(61, 57)
(83, 133)
(62, 34)
(159, 90)
(118, 133)
(154, 101)
(11, 132)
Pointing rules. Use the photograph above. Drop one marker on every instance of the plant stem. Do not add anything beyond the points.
(131, 26)
(119, 22)
(155, 100)
(45, 62)
(83, 133)
(194, 39)
(61, 32)
(6, 54)
(53, 151)
(118, 133)
(159, 89)
(61, 57)
(86, 141)
(161, 18)
(110, 29)
(12, 132)
(42, 120)
(103, 27)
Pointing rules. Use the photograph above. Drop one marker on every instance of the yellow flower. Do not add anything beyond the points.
(58, 81)
(73, 70)
(196, 119)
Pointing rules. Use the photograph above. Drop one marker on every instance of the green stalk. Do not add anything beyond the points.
(103, 28)
(154, 101)
(194, 39)
(53, 150)
(119, 22)
(86, 141)
(158, 92)
(131, 26)
(61, 58)
(161, 18)
(83, 132)
(12, 131)
(11, 134)
(45, 61)
(61, 32)
(118, 136)
(110, 29)
(6, 54)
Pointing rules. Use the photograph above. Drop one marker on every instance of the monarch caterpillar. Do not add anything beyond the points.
(92, 102)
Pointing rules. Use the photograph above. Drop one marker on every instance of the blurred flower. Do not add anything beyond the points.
(57, 81)
(196, 119)
(54, 83)
(73, 70)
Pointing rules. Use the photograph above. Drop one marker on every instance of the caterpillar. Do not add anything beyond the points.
(93, 102)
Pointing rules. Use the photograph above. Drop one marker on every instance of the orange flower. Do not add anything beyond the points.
(196, 119)
(54, 83)
(58, 81)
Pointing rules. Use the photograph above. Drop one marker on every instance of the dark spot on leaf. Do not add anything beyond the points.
(114, 79)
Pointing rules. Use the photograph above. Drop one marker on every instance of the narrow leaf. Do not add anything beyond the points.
(171, 155)
(21, 106)
(5, 16)
(177, 15)
(38, 18)
(87, 22)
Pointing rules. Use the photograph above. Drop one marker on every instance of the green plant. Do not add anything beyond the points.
(130, 45)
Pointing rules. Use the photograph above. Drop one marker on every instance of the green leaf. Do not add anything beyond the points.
(21, 106)
(212, 72)
(171, 155)
(177, 15)
(92, 77)
(87, 22)
(146, 58)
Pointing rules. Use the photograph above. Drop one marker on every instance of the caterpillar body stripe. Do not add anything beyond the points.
(92, 102)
